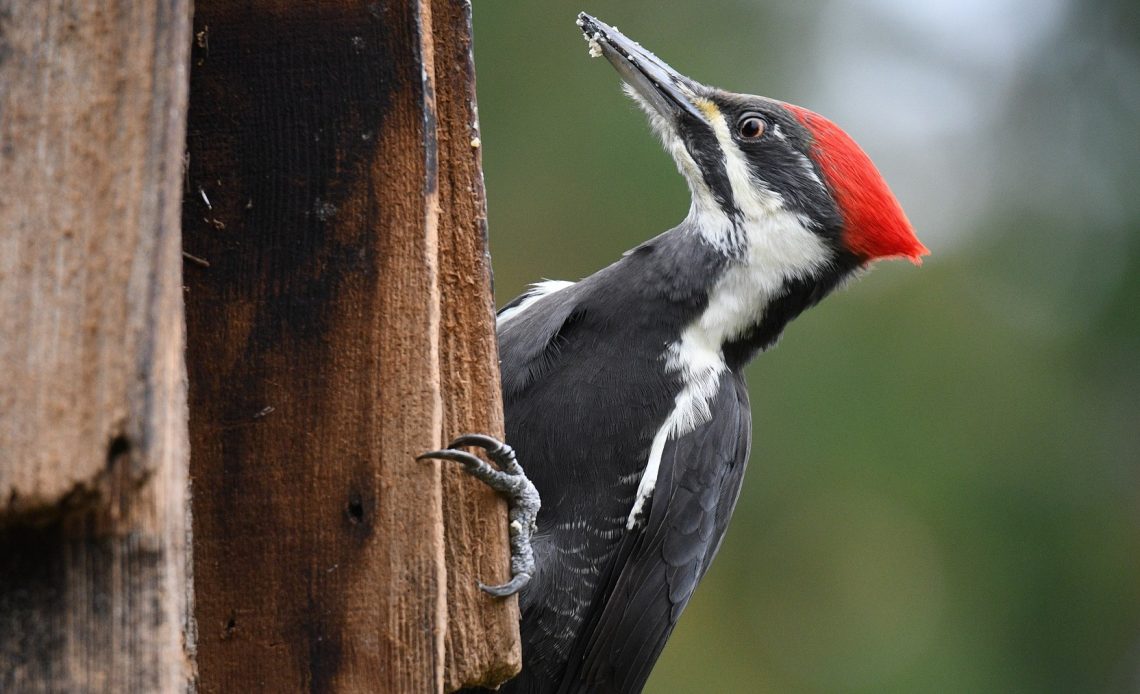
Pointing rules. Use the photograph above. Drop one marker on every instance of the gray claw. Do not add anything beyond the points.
(509, 588)
(458, 456)
(522, 499)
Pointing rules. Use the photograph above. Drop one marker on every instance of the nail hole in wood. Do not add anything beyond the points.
(356, 510)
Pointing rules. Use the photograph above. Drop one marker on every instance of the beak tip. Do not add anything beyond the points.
(587, 24)
(647, 74)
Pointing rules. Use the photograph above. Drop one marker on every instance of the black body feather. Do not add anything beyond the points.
(585, 390)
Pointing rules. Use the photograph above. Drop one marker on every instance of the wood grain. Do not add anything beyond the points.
(313, 319)
(483, 642)
(94, 593)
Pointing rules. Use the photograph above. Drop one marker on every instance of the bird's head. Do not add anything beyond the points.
(766, 177)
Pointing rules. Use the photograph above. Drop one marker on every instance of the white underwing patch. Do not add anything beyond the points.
(637, 516)
(536, 292)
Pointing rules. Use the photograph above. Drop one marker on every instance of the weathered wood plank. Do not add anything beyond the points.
(483, 643)
(93, 524)
(314, 349)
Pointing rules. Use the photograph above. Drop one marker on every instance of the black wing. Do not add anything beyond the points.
(656, 569)
(529, 342)
(583, 395)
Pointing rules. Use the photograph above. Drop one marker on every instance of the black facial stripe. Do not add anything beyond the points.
(799, 187)
(705, 150)
(783, 164)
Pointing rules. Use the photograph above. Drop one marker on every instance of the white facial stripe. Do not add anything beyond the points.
(781, 247)
(808, 169)
(780, 244)
(805, 163)
(754, 199)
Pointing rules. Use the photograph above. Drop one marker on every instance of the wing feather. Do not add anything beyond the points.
(656, 569)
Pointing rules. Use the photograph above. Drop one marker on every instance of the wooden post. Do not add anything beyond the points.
(483, 644)
(94, 595)
(332, 336)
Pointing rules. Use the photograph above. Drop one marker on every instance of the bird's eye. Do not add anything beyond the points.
(751, 126)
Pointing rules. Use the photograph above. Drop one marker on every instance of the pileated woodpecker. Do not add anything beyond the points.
(624, 394)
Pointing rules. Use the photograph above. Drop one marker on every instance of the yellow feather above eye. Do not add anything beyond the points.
(708, 108)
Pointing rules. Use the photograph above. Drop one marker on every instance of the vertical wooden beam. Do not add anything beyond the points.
(313, 317)
(93, 513)
(483, 642)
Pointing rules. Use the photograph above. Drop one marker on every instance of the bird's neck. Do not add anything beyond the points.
(774, 267)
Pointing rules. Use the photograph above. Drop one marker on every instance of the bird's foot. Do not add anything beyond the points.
(511, 482)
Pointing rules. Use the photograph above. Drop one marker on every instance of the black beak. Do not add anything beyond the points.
(670, 92)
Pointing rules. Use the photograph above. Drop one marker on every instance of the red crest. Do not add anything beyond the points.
(875, 225)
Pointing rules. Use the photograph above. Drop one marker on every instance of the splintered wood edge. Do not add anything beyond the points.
(483, 646)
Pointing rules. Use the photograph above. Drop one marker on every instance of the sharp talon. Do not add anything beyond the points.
(506, 589)
(500, 453)
(457, 456)
(480, 440)
(511, 482)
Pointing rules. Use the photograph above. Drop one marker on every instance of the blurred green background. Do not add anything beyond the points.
(944, 491)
